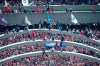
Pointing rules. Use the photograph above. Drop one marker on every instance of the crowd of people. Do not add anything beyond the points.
(51, 2)
(51, 60)
(44, 36)
(42, 47)
(90, 30)
(47, 9)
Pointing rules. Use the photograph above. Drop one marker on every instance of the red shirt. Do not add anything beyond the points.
(52, 26)
(96, 38)
(8, 10)
(18, 11)
(56, 42)
(39, 10)
(93, 9)
(33, 34)
(52, 9)
(82, 33)
(43, 58)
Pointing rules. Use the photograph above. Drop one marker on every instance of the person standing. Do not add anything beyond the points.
(53, 36)
(40, 24)
(60, 27)
(61, 44)
(57, 25)
(52, 25)
(49, 27)
(45, 37)
(33, 35)
(44, 24)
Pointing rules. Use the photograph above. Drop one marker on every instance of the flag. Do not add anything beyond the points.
(51, 1)
(73, 19)
(25, 2)
(27, 21)
(6, 3)
(31, 4)
(4, 20)
(49, 19)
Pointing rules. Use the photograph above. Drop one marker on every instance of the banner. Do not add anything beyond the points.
(73, 19)
(27, 21)
(25, 2)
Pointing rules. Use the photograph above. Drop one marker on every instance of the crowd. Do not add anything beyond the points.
(51, 60)
(42, 47)
(90, 30)
(46, 9)
(19, 10)
(51, 2)
(44, 2)
(44, 36)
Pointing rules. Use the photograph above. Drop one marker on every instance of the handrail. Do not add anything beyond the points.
(49, 52)
(42, 42)
(51, 31)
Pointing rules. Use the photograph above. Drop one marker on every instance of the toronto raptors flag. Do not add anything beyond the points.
(25, 2)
